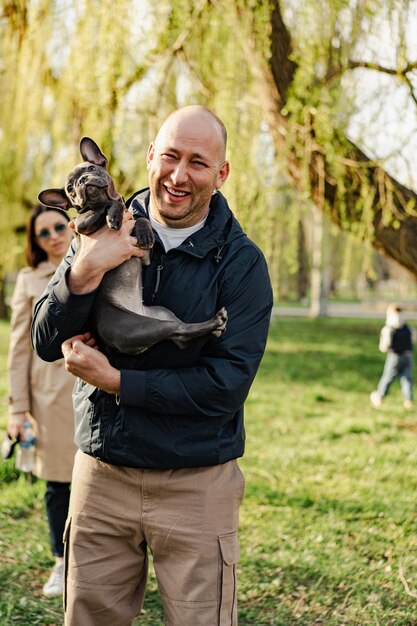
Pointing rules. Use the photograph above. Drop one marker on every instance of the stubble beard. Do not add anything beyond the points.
(190, 215)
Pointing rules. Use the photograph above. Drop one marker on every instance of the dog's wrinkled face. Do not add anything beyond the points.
(88, 184)
(88, 188)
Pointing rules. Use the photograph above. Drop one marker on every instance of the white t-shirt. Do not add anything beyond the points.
(173, 237)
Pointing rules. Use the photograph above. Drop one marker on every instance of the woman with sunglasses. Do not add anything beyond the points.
(40, 392)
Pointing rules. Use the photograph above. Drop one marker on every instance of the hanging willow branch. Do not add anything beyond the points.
(359, 194)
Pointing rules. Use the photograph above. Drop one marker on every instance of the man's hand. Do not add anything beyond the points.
(99, 252)
(83, 359)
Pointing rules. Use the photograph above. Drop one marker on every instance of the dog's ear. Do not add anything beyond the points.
(55, 198)
(91, 152)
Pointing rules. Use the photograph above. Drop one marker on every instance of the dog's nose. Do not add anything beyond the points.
(83, 179)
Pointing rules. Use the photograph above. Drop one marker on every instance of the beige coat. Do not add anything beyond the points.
(42, 388)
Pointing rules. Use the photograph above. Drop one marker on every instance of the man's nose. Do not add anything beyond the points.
(179, 175)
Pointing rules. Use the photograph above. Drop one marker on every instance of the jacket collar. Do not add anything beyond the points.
(220, 228)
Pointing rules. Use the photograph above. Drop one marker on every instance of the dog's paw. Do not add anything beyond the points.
(114, 222)
(114, 216)
(221, 321)
(144, 233)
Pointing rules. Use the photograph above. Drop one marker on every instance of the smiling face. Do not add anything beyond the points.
(52, 234)
(186, 163)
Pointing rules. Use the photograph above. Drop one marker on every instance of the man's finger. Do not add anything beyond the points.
(66, 347)
(79, 346)
(68, 344)
(127, 215)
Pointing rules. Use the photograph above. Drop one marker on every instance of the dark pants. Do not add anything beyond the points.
(57, 502)
(397, 366)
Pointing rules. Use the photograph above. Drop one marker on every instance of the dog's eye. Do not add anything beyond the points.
(69, 188)
(91, 168)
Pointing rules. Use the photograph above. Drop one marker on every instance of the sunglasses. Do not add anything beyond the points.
(45, 233)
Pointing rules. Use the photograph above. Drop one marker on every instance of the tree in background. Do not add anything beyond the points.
(303, 83)
(285, 89)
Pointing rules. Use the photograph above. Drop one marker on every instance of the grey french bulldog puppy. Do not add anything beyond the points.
(121, 319)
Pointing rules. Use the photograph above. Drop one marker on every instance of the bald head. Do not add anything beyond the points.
(194, 115)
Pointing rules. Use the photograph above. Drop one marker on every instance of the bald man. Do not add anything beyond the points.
(159, 434)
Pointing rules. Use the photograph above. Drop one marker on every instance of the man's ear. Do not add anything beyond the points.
(150, 155)
(91, 152)
(223, 174)
(54, 198)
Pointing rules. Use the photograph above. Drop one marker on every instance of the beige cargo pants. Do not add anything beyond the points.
(187, 517)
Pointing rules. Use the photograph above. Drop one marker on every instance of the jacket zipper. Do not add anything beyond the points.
(160, 267)
(158, 276)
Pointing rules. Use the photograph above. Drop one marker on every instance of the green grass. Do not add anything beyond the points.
(329, 520)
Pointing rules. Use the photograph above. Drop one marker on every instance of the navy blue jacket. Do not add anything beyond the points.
(177, 407)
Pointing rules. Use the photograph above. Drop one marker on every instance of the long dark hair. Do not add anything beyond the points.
(35, 254)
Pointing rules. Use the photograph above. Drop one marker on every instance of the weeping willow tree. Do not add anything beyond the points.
(302, 84)
(113, 70)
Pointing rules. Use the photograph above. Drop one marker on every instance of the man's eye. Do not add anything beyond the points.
(168, 155)
(199, 163)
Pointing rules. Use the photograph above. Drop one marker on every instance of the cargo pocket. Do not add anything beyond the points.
(229, 551)
(67, 531)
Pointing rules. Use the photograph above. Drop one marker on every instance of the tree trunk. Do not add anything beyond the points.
(362, 177)
(302, 263)
(3, 304)
(319, 290)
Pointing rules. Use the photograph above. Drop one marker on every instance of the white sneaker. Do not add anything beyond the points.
(375, 399)
(55, 584)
